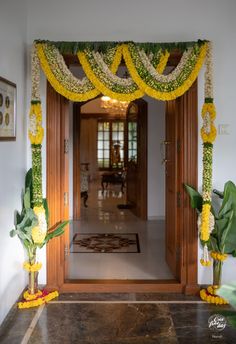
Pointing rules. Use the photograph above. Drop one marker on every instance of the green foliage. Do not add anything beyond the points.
(27, 220)
(223, 237)
(195, 197)
(228, 292)
(56, 231)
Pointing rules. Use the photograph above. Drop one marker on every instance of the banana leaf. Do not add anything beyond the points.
(57, 230)
(24, 228)
(27, 199)
(195, 198)
(29, 184)
(45, 205)
(229, 293)
(226, 221)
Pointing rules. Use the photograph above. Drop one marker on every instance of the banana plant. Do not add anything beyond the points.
(26, 220)
(223, 237)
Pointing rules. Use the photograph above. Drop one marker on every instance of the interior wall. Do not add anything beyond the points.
(158, 21)
(156, 171)
(13, 28)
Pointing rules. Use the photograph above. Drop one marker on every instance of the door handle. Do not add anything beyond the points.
(163, 150)
(164, 161)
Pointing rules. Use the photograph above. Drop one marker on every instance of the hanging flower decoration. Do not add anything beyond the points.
(146, 64)
(164, 87)
(208, 134)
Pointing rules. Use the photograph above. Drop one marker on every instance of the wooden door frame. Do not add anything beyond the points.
(187, 217)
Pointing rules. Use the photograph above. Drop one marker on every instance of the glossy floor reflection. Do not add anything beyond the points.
(103, 216)
(106, 319)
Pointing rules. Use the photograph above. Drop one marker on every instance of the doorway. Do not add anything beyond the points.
(181, 233)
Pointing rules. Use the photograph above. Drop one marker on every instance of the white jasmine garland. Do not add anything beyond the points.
(211, 221)
(35, 75)
(169, 77)
(62, 72)
(207, 123)
(33, 125)
(208, 87)
(127, 82)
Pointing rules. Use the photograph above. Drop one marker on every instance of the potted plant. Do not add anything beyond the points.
(222, 238)
(32, 237)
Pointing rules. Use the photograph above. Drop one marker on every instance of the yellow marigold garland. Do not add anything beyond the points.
(39, 232)
(101, 87)
(208, 109)
(210, 295)
(205, 262)
(164, 95)
(32, 267)
(36, 131)
(39, 300)
(28, 297)
(77, 97)
(219, 256)
(205, 222)
(163, 62)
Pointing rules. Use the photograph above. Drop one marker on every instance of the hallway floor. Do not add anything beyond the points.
(117, 319)
(103, 216)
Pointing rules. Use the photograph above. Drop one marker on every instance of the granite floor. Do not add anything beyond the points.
(117, 318)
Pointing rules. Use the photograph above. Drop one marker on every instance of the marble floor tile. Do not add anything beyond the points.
(103, 216)
(104, 323)
(116, 323)
(15, 325)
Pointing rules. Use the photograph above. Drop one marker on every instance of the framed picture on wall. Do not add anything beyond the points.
(7, 110)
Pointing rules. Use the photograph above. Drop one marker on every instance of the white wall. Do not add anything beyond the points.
(155, 20)
(156, 171)
(12, 154)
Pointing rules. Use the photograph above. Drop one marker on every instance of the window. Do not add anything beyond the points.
(132, 141)
(103, 145)
(111, 136)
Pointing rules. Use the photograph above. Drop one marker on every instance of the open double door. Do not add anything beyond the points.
(180, 166)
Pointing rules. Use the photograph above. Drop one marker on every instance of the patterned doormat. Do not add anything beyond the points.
(105, 243)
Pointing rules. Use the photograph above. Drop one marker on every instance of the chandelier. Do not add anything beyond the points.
(114, 106)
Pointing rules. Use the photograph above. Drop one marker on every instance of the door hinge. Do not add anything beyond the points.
(66, 146)
(66, 250)
(178, 199)
(66, 198)
(178, 146)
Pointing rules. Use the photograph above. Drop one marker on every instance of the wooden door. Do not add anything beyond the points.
(136, 180)
(171, 177)
(76, 161)
(181, 167)
(57, 181)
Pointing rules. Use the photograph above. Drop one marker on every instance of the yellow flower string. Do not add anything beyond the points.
(158, 94)
(30, 297)
(36, 131)
(209, 135)
(219, 256)
(163, 62)
(32, 267)
(77, 97)
(205, 262)
(210, 295)
(205, 222)
(39, 300)
(101, 87)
